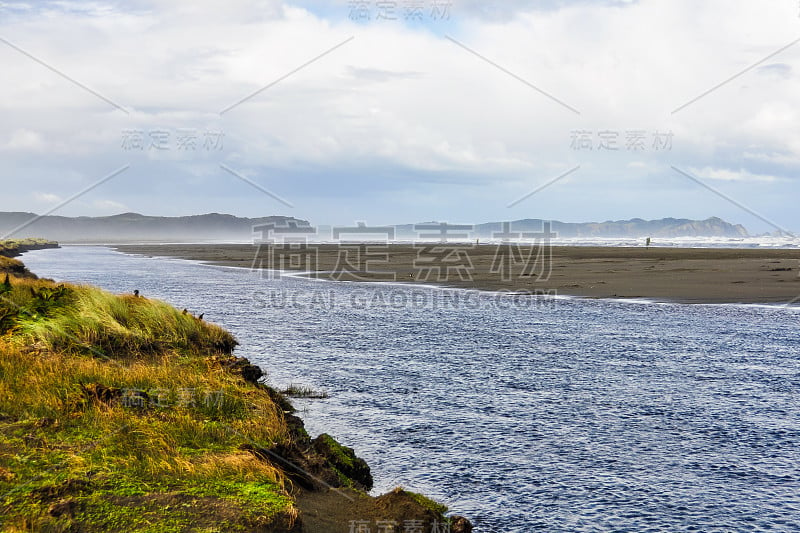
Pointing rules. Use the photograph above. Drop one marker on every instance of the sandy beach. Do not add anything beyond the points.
(690, 275)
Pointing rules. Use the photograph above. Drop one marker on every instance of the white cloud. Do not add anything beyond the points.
(109, 205)
(47, 198)
(25, 140)
(397, 101)
(724, 174)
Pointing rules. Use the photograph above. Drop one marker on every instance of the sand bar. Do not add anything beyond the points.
(690, 275)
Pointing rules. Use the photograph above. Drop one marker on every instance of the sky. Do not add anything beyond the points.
(403, 111)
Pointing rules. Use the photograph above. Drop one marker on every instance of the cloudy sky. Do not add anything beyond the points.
(404, 111)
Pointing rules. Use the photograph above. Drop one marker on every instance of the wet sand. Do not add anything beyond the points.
(689, 275)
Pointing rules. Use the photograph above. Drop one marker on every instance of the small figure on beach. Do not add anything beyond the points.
(184, 311)
(136, 292)
(647, 243)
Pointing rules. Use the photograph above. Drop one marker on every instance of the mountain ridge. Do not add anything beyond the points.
(130, 226)
(636, 227)
(125, 227)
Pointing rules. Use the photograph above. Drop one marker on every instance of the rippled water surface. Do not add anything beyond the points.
(568, 415)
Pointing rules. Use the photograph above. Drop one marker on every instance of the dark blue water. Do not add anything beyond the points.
(522, 414)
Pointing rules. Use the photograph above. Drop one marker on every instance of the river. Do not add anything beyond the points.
(521, 413)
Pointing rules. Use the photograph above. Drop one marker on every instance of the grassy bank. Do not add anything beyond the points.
(121, 413)
(15, 247)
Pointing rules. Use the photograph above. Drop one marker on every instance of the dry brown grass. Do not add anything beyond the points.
(127, 395)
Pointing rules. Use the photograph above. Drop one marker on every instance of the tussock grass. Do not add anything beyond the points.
(111, 403)
(82, 319)
(304, 391)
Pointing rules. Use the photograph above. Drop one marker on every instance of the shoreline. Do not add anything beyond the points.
(668, 275)
(15, 248)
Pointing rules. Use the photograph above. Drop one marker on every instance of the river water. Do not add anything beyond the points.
(522, 413)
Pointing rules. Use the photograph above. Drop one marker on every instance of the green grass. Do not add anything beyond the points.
(118, 413)
(121, 413)
(304, 391)
(427, 503)
(11, 247)
(80, 319)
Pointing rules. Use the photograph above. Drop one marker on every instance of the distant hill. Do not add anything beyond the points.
(666, 227)
(129, 227)
(135, 227)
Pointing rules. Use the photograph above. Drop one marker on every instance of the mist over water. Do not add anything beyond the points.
(527, 414)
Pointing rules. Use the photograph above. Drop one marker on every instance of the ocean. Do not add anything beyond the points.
(521, 413)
